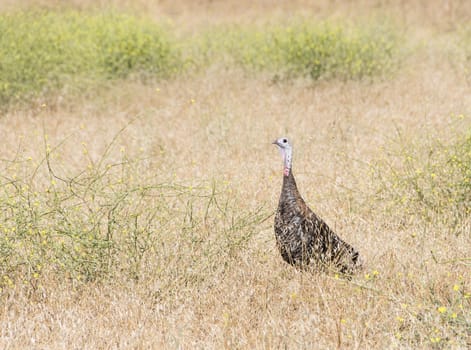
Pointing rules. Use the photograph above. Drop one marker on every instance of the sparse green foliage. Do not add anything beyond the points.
(432, 180)
(107, 220)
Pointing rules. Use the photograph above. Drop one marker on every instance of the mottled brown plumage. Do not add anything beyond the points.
(301, 236)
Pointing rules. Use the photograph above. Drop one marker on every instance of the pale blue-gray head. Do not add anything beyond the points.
(286, 151)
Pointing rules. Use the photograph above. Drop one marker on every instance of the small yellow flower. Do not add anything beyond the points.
(442, 309)
(8, 281)
(226, 318)
(456, 287)
(454, 315)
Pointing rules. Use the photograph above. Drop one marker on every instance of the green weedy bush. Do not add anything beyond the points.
(42, 51)
(430, 180)
(305, 49)
(109, 221)
(333, 51)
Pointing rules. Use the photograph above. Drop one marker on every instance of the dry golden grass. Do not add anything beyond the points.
(218, 126)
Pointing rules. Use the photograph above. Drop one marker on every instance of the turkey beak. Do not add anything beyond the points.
(275, 142)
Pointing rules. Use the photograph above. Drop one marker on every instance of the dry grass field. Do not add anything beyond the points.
(140, 215)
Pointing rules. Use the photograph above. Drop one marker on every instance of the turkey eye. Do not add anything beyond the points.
(285, 140)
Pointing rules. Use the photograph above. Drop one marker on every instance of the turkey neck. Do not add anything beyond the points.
(287, 156)
(289, 192)
(291, 202)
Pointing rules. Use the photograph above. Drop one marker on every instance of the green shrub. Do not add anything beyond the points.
(330, 51)
(42, 51)
(429, 179)
(111, 220)
(305, 49)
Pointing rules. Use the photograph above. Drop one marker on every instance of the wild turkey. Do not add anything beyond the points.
(301, 236)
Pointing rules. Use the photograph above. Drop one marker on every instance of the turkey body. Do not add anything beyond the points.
(303, 238)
